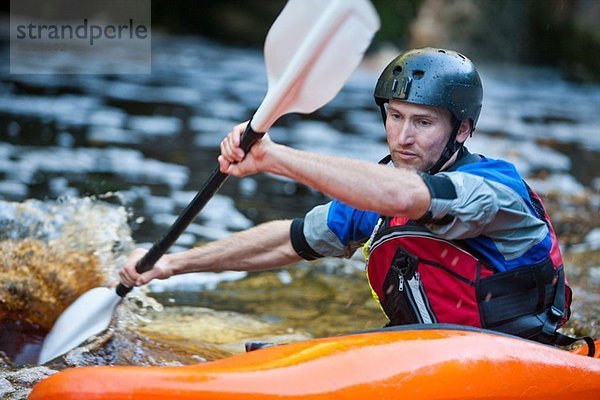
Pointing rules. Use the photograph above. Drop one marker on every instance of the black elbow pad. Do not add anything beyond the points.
(440, 187)
(299, 242)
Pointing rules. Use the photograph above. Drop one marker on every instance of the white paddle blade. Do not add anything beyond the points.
(89, 315)
(310, 52)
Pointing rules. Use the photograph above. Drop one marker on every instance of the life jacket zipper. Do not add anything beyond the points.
(415, 296)
(414, 285)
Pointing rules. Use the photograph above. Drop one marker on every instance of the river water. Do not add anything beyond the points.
(93, 165)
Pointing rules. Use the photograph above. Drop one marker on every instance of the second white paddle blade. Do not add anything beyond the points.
(89, 315)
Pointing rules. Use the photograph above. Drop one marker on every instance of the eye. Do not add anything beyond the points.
(395, 115)
(424, 123)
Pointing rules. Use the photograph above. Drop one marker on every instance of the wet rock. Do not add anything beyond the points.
(41, 300)
(54, 252)
(573, 217)
(6, 388)
(30, 375)
(583, 271)
(17, 384)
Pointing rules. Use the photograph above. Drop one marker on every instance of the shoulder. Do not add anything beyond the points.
(494, 170)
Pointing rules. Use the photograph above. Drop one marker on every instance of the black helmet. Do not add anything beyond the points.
(433, 77)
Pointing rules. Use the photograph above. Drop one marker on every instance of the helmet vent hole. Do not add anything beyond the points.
(461, 56)
(418, 74)
(442, 51)
(396, 71)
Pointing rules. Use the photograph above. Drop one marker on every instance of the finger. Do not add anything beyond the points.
(230, 151)
(230, 168)
(123, 278)
(127, 273)
(236, 139)
(145, 278)
(131, 274)
(233, 145)
(126, 278)
(236, 136)
(223, 164)
(224, 153)
(148, 276)
(238, 132)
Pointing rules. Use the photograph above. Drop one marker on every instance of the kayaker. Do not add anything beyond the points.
(449, 236)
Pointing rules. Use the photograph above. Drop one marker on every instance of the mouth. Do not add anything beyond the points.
(406, 155)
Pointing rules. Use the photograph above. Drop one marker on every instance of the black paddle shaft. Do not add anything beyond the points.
(214, 182)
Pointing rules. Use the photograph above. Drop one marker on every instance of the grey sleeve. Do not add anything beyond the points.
(320, 238)
(484, 207)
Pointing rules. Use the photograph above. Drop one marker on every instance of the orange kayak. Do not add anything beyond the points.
(442, 363)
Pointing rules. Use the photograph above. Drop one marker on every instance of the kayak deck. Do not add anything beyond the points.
(444, 363)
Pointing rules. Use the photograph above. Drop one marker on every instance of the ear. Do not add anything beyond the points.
(464, 131)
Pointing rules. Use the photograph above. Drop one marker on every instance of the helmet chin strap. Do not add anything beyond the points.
(452, 146)
(383, 112)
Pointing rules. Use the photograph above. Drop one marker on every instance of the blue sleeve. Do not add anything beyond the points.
(336, 229)
(350, 224)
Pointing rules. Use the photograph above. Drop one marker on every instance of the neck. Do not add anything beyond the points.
(452, 160)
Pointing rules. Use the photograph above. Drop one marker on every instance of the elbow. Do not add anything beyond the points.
(408, 202)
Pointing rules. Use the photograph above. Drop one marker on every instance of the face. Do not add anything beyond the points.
(416, 134)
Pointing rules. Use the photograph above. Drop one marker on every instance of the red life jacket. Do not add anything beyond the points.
(420, 278)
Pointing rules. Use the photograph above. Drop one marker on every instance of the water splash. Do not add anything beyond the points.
(51, 252)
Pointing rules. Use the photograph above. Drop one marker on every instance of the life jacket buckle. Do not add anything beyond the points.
(555, 311)
(405, 263)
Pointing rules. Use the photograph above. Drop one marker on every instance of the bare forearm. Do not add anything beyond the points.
(363, 185)
(263, 247)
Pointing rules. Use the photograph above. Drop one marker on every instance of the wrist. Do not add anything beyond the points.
(274, 158)
(173, 264)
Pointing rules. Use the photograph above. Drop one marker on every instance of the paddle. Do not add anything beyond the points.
(310, 52)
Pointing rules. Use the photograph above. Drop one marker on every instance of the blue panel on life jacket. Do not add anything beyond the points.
(486, 247)
(505, 173)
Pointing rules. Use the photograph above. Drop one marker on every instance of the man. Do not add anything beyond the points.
(449, 236)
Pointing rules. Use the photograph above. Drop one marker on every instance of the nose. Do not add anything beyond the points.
(401, 133)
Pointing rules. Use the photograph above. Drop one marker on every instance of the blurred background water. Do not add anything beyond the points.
(153, 139)
(92, 165)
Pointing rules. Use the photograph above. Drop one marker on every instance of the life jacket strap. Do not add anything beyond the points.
(557, 309)
(563, 340)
